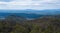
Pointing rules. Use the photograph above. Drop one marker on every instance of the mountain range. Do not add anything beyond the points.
(29, 14)
(29, 11)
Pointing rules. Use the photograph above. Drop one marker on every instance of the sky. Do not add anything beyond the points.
(29, 4)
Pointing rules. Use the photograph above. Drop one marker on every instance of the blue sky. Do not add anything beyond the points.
(29, 4)
(6, 0)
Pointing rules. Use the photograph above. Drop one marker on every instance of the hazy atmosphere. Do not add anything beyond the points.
(29, 16)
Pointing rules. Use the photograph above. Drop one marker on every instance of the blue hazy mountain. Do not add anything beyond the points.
(29, 13)
(2, 15)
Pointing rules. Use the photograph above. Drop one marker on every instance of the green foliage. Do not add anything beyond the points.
(16, 25)
(35, 29)
(19, 29)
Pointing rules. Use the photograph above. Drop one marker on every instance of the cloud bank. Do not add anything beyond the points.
(29, 4)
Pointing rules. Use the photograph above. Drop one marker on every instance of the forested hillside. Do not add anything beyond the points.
(17, 24)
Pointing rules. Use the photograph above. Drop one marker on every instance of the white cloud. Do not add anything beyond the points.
(31, 4)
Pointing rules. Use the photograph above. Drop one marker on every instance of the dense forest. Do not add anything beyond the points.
(17, 24)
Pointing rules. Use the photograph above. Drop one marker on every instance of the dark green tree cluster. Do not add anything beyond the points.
(19, 25)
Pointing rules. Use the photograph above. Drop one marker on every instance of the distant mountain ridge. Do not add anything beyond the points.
(29, 14)
(29, 11)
